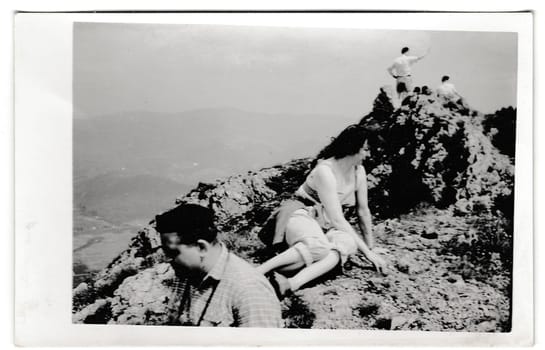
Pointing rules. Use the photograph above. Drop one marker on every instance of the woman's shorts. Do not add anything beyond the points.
(305, 235)
(342, 242)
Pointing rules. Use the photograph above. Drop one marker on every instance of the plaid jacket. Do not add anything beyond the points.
(236, 294)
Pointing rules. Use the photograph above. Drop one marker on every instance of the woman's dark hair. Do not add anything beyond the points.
(405, 49)
(349, 142)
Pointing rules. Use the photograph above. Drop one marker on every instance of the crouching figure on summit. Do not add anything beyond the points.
(313, 224)
(450, 96)
(217, 288)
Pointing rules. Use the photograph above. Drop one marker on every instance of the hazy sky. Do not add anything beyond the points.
(173, 68)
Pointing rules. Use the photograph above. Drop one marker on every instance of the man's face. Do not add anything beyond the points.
(188, 257)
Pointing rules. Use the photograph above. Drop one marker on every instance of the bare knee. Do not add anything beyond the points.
(334, 256)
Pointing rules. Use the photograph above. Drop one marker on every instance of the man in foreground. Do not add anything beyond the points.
(217, 288)
(401, 71)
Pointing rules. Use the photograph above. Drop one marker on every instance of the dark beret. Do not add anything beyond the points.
(191, 219)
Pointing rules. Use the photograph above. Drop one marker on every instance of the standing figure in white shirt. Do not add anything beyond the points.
(401, 71)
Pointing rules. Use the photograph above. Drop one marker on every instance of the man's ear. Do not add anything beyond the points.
(203, 245)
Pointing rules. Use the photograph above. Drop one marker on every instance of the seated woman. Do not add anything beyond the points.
(318, 234)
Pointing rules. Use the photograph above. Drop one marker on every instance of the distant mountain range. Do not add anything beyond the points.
(120, 198)
(128, 166)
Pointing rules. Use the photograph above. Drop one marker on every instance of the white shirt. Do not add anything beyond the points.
(402, 65)
(447, 90)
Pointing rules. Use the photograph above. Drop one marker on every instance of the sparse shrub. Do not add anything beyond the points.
(296, 314)
(367, 308)
(486, 248)
(83, 295)
(501, 128)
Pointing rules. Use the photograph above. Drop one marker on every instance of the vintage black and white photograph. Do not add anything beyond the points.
(326, 178)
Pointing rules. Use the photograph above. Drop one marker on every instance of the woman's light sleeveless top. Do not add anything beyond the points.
(307, 190)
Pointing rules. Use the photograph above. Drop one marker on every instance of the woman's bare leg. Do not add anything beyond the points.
(289, 257)
(297, 227)
(315, 270)
(292, 267)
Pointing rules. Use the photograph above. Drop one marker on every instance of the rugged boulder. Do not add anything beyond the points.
(434, 151)
(501, 128)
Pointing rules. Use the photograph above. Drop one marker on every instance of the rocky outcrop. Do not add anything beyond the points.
(430, 155)
(437, 152)
(146, 298)
(501, 128)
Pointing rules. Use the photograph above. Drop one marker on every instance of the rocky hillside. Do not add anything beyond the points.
(441, 194)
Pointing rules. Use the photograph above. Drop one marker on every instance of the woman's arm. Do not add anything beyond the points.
(326, 186)
(377, 260)
(364, 214)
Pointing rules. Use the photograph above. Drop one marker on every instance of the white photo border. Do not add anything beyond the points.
(43, 184)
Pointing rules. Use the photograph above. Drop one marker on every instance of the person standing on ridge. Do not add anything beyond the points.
(401, 71)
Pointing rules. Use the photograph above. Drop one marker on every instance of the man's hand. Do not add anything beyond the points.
(418, 58)
(427, 52)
